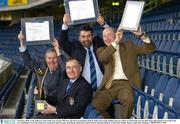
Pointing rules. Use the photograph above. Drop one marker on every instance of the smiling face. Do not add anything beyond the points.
(73, 69)
(51, 59)
(108, 36)
(86, 38)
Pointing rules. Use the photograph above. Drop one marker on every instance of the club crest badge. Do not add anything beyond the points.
(71, 101)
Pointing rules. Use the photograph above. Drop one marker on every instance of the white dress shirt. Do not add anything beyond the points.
(86, 71)
(118, 70)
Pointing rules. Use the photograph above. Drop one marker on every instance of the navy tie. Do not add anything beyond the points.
(69, 86)
(92, 71)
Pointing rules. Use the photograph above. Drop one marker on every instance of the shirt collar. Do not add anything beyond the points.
(91, 48)
(73, 80)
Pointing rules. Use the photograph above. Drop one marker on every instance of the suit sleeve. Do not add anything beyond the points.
(82, 99)
(28, 61)
(146, 48)
(64, 42)
(62, 61)
(105, 53)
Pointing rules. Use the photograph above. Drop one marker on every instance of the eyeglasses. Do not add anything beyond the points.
(72, 68)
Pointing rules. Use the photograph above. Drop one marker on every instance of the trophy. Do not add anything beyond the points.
(40, 104)
(39, 82)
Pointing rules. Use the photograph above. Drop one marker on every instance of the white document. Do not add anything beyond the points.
(132, 15)
(81, 9)
(37, 31)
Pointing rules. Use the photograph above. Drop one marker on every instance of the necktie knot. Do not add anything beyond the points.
(89, 50)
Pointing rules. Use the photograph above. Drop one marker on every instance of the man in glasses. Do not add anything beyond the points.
(74, 93)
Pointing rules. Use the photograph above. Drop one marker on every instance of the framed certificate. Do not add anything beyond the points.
(82, 11)
(132, 15)
(38, 30)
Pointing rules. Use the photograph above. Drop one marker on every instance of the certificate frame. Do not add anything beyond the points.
(48, 20)
(130, 21)
(81, 11)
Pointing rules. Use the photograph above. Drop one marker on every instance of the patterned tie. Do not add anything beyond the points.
(92, 71)
(69, 86)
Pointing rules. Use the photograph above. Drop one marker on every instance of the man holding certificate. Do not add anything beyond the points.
(121, 70)
(85, 50)
(48, 76)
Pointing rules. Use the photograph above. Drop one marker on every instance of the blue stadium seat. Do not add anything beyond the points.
(159, 63)
(161, 85)
(171, 115)
(154, 60)
(151, 83)
(174, 47)
(173, 66)
(142, 73)
(162, 45)
(168, 45)
(176, 105)
(91, 113)
(170, 89)
(151, 108)
(178, 49)
(147, 78)
(166, 64)
(157, 43)
(161, 111)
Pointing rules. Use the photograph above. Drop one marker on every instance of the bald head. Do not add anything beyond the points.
(108, 35)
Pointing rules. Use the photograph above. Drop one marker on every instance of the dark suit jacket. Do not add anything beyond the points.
(128, 54)
(51, 80)
(75, 49)
(82, 93)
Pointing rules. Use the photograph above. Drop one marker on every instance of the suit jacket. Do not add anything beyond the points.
(50, 81)
(82, 93)
(128, 53)
(75, 49)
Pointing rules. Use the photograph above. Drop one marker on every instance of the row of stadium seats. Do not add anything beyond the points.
(30, 101)
(22, 101)
(9, 85)
(160, 98)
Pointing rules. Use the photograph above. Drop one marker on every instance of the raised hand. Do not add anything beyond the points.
(56, 47)
(119, 35)
(66, 19)
(139, 32)
(101, 20)
(21, 39)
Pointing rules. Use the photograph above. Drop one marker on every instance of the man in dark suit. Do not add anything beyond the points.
(121, 70)
(74, 94)
(85, 50)
(49, 74)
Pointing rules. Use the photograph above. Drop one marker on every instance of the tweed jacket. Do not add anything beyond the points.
(128, 54)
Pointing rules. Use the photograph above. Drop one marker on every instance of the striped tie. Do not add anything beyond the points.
(69, 86)
(92, 71)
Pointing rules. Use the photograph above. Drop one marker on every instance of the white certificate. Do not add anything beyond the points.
(37, 31)
(132, 15)
(81, 9)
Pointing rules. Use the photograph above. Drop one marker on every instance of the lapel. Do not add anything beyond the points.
(72, 89)
(84, 52)
(66, 81)
(122, 53)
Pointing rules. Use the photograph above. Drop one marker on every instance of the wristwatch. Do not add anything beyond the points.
(141, 35)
